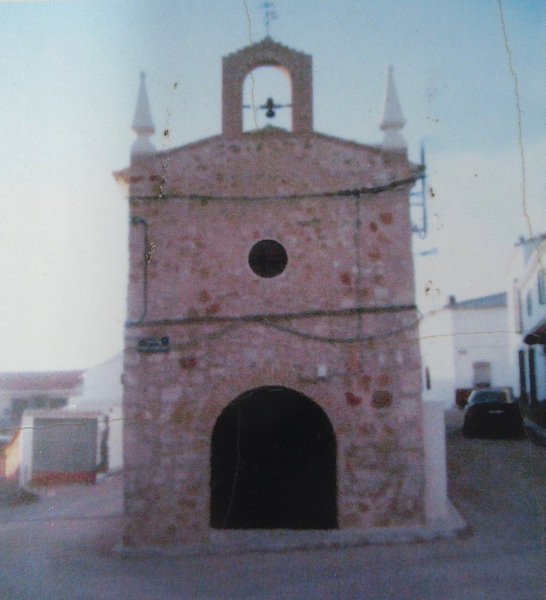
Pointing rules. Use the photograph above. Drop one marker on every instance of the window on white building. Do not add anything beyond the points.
(529, 302)
(517, 308)
(482, 374)
(541, 286)
(427, 378)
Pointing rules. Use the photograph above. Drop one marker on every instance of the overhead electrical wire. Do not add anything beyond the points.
(356, 192)
(272, 319)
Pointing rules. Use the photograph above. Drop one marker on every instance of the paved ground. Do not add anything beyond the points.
(60, 547)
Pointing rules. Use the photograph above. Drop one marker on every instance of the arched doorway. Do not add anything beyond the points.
(273, 463)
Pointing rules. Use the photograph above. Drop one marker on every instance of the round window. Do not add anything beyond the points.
(267, 258)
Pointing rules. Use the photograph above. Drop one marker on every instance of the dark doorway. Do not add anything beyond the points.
(273, 463)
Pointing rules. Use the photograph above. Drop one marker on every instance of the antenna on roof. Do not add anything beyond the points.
(419, 205)
(270, 15)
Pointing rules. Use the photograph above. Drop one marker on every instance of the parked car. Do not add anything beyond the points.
(492, 412)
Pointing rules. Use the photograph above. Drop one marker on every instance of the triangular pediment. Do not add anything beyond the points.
(264, 162)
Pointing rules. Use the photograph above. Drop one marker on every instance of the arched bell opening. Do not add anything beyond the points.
(273, 463)
(271, 56)
(267, 99)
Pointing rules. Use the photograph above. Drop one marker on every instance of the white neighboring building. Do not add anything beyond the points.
(20, 391)
(482, 343)
(60, 446)
(436, 335)
(82, 413)
(103, 391)
(529, 300)
(465, 345)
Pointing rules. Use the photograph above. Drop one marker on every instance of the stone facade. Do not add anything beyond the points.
(337, 324)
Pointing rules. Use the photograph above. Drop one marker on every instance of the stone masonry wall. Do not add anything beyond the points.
(231, 331)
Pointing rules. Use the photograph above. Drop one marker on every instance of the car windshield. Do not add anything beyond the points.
(488, 396)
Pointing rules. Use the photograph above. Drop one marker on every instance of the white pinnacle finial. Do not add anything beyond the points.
(143, 125)
(393, 119)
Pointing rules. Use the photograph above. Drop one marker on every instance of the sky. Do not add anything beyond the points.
(471, 83)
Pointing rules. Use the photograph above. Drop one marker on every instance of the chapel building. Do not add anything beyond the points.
(272, 375)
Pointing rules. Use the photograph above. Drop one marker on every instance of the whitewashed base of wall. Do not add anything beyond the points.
(441, 515)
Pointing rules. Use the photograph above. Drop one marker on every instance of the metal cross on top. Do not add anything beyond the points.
(270, 15)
